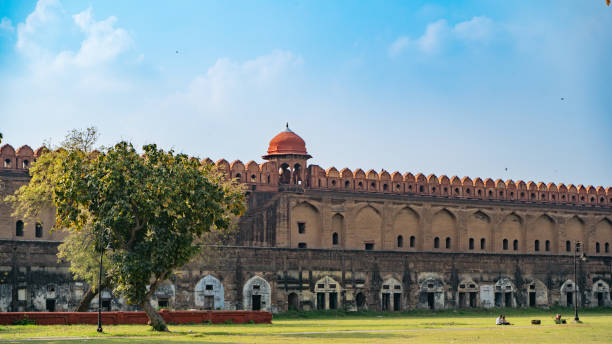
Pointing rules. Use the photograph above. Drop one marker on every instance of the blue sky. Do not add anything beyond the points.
(445, 87)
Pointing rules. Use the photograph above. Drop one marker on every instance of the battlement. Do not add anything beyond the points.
(266, 177)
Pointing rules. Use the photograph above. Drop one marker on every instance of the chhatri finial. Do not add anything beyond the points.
(287, 128)
(287, 125)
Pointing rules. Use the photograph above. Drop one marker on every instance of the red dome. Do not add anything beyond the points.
(287, 142)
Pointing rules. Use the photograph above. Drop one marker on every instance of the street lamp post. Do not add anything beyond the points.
(582, 257)
(100, 291)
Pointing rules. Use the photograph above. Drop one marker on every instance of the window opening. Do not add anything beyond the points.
(335, 239)
(536, 245)
(412, 239)
(547, 244)
(436, 242)
(302, 245)
(597, 248)
(19, 228)
(448, 242)
(38, 230)
(301, 227)
(471, 245)
(505, 244)
(369, 246)
(482, 243)
(515, 245)
(400, 241)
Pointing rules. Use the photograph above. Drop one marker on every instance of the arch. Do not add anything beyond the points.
(406, 224)
(360, 301)
(209, 293)
(327, 292)
(431, 293)
(602, 234)
(600, 294)
(400, 241)
(391, 295)
(38, 230)
(574, 232)
(541, 230)
(467, 294)
(536, 293)
(504, 293)
(367, 229)
(569, 293)
(509, 229)
(478, 227)
(443, 224)
(284, 174)
(306, 226)
(256, 294)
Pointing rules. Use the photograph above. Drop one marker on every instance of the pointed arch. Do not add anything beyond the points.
(209, 293)
(256, 294)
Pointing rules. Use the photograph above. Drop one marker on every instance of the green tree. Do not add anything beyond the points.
(153, 210)
(38, 195)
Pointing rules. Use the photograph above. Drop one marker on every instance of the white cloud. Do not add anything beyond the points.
(476, 29)
(432, 39)
(103, 42)
(6, 25)
(229, 84)
(437, 34)
(28, 32)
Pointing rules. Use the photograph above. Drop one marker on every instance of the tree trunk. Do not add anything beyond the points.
(157, 322)
(86, 300)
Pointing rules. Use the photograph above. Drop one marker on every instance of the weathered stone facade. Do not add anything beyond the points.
(325, 239)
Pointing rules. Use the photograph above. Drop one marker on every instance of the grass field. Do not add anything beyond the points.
(340, 327)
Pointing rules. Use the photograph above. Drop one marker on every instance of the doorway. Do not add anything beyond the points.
(209, 302)
(600, 299)
(320, 300)
(473, 299)
(386, 302)
(50, 305)
(461, 299)
(508, 299)
(532, 299)
(360, 299)
(293, 302)
(431, 300)
(256, 302)
(570, 298)
(333, 300)
(397, 302)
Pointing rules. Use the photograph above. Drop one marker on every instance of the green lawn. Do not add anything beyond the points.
(416, 327)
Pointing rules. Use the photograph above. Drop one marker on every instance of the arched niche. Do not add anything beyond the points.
(569, 293)
(366, 231)
(574, 232)
(505, 293)
(406, 224)
(478, 229)
(443, 226)
(536, 293)
(256, 295)
(305, 226)
(431, 294)
(391, 295)
(540, 232)
(600, 294)
(209, 293)
(467, 294)
(327, 293)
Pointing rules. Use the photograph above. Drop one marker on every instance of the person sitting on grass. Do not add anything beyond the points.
(559, 320)
(501, 320)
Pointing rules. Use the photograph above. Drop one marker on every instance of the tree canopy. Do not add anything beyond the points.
(152, 209)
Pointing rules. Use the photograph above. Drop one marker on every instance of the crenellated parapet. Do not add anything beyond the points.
(267, 176)
(19, 159)
(455, 187)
